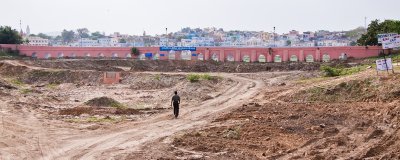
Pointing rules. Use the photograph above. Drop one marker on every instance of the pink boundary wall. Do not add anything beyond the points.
(221, 52)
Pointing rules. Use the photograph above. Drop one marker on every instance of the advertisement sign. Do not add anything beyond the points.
(178, 48)
(382, 65)
(385, 35)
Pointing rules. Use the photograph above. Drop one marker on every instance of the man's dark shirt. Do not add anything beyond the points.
(176, 99)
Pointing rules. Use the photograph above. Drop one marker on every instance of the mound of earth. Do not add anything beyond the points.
(104, 102)
(4, 84)
(384, 89)
(173, 65)
(58, 77)
(212, 66)
(78, 64)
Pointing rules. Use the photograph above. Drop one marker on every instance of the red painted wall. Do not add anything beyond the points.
(221, 52)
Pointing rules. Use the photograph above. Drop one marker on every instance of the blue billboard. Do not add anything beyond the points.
(177, 48)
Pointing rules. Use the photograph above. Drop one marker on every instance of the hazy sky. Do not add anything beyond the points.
(153, 16)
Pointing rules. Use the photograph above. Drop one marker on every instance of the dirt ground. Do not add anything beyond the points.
(61, 110)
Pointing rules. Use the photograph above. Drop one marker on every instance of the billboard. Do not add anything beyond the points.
(385, 35)
(391, 42)
(383, 65)
(178, 49)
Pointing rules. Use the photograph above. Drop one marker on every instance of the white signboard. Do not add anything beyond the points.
(386, 35)
(391, 42)
(382, 65)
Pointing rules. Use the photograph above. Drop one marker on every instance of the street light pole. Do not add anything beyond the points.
(274, 37)
(166, 36)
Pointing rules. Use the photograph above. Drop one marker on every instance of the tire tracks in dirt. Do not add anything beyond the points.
(132, 138)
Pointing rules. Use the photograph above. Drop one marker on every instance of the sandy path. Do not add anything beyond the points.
(130, 138)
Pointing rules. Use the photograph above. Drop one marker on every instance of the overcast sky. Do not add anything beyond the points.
(153, 16)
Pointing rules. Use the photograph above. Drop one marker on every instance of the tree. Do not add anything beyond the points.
(375, 28)
(9, 36)
(122, 41)
(44, 36)
(96, 35)
(288, 43)
(67, 36)
(135, 51)
(83, 32)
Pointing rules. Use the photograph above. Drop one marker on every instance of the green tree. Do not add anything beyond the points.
(375, 28)
(83, 32)
(135, 51)
(122, 41)
(288, 43)
(67, 36)
(96, 35)
(9, 36)
(44, 36)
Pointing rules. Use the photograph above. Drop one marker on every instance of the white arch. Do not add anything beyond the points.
(60, 55)
(310, 58)
(47, 56)
(262, 58)
(246, 58)
(128, 55)
(34, 55)
(200, 57)
(230, 58)
(293, 58)
(114, 55)
(278, 58)
(100, 55)
(326, 57)
(172, 55)
(215, 57)
(73, 55)
(156, 56)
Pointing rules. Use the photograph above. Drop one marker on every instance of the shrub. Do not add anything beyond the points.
(206, 77)
(330, 71)
(333, 72)
(193, 77)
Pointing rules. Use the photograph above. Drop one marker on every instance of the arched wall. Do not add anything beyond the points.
(238, 53)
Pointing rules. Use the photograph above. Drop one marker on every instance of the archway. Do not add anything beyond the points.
(262, 59)
(47, 56)
(87, 55)
(34, 55)
(215, 57)
(114, 56)
(326, 58)
(246, 58)
(186, 55)
(310, 58)
(278, 58)
(293, 58)
(128, 56)
(60, 55)
(100, 55)
(200, 57)
(142, 57)
(156, 56)
(73, 55)
(171, 55)
(230, 58)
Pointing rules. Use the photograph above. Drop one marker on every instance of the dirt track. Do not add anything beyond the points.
(266, 115)
(131, 137)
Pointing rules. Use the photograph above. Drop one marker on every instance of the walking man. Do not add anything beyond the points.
(176, 100)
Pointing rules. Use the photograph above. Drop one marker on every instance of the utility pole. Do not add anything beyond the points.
(365, 24)
(274, 37)
(166, 36)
